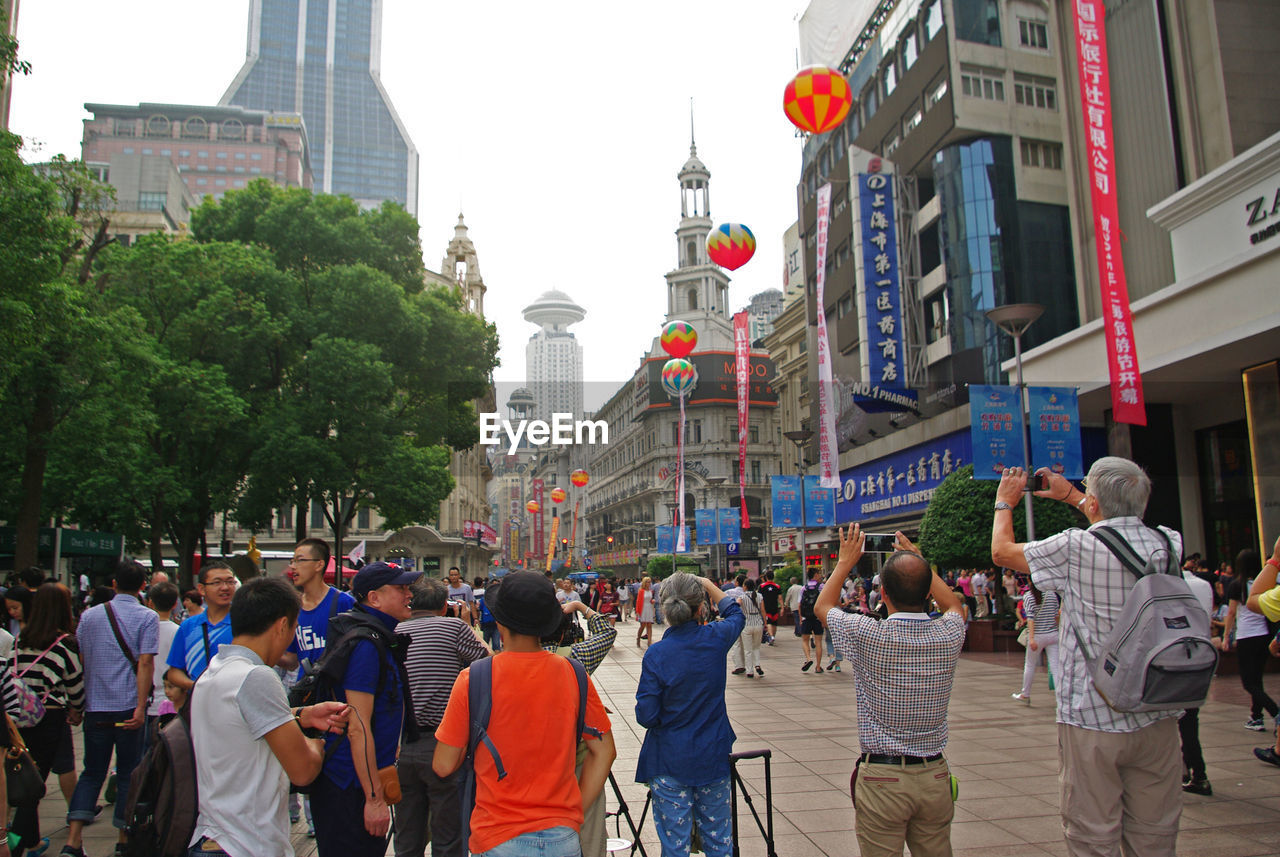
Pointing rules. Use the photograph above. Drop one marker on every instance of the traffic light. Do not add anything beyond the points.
(609, 541)
(564, 543)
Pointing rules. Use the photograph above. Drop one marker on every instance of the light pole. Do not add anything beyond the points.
(1014, 319)
(675, 538)
(714, 482)
(800, 437)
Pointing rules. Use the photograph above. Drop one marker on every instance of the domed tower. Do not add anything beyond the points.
(697, 290)
(460, 265)
(553, 357)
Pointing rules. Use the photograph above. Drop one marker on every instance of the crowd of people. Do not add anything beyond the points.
(463, 717)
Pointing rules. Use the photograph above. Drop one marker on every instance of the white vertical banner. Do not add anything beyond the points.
(828, 469)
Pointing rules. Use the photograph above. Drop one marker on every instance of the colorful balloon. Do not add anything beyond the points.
(579, 478)
(678, 377)
(731, 245)
(533, 507)
(679, 338)
(558, 495)
(817, 99)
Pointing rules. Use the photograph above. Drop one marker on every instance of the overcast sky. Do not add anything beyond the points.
(557, 127)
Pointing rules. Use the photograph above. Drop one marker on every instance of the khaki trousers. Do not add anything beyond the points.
(1121, 792)
(904, 803)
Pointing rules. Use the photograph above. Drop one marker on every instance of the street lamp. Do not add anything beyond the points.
(800, 437)
(675, 538)
(1014, 319)
(714, 482)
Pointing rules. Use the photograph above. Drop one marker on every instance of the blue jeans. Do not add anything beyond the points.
(197, 851)
(677, 806)
(552, 842)
(100, 738)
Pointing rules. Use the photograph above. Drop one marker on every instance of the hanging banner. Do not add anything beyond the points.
(827, 449)
(729, 525)
(995, 428)
(538, 535)
(742, 370)
(555, 534)
(1127, 401)
(705, 521)
(666, 539)
(1055, 430)
(819, 504)
(882, 348)
(573, 534)
(786, 500)
(682, 541)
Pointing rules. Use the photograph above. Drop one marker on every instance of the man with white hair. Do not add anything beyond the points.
(1119, 772)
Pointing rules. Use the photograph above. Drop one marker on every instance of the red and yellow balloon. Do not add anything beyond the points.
(533, 507)
(817, 99)
(731, 245)
(558, 495)
(678, 338)
(579, 478)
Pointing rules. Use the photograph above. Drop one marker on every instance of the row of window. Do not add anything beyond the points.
(1029, 90)
(186, 153)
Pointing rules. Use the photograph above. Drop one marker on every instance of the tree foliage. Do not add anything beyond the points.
(956, 529)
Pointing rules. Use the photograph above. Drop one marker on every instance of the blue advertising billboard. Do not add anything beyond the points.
(666, 539)
(819, 503)
(901, 483)
(786, 500)
(730, 520)
(1055, 430)
(995, 427)
(705, 519)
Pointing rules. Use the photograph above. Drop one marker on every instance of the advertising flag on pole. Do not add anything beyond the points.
(1127, 401)
(828, 469)
(819, 503)
(786, 500)
(995, 427)
(681, 543)
(357, 552)
(1055, 430)
(705, 519)
(555, 533)
(729, 526)
(742, 369)
(538, 546)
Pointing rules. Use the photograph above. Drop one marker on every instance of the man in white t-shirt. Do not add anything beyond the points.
(981, 595)
(248, 744)
(162, 598)
(459, 591)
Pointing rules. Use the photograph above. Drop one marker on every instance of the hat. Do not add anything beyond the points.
(525, 602)
(378, 574)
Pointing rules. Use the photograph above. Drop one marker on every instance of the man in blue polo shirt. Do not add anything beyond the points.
(199, 637)
(348, 801)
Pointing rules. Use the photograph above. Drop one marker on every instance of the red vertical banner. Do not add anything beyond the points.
(828, 451)
(1127, 402)
(742, 372)
(539, 544)
(680, 545)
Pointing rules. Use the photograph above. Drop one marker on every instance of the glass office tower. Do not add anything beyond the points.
(322, 58)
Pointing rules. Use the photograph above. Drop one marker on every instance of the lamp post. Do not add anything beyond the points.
(714, 482)
(1014, 319)
(800, 437)
(675, 540)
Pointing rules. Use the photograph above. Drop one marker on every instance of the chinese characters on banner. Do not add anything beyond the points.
(995, 427)
(886, 356)
(819, 503)
(901, 483)
(555, 534)
(1127, 400)
(730, 523)
(742, 371)
(666, 539)
(472, 529)
(705, 521)
(786, 500)
(538, 534)
(827, 450)
(1055, 430)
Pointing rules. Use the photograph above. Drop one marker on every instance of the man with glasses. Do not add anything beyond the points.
(320, 602)
(199, 637)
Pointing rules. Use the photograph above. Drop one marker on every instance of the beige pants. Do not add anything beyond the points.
(904, 803)
(593, 834)
(1121, 791)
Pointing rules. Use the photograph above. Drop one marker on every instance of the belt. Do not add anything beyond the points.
(877, 759)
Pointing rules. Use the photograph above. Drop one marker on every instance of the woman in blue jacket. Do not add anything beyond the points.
(680, 701)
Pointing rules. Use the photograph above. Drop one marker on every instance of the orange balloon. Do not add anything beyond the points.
(817, 99)
(533, 506)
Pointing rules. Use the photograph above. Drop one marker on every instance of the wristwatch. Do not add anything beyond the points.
(1000, 505)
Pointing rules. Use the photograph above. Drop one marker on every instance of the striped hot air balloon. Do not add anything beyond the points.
(731, 245)
(678, 377)
(817, 99)
(678, 338)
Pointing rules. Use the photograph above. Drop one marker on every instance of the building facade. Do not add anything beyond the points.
(761, 310)
(553, 356)
(151, 195)
(323, 61)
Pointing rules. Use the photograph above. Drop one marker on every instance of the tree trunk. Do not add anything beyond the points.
(157, 546)
(301, 510)
(35, 460)
(185, 543)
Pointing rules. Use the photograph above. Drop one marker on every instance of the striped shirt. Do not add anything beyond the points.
(57, 677)
(189, 652)
(1044, 613)
(109, 680)
(750, 602)
(440, 647)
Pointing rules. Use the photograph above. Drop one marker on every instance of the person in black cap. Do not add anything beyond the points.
(350, 799)
(534, 707)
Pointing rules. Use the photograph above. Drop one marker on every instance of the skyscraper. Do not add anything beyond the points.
(553, 357)
(323, 58)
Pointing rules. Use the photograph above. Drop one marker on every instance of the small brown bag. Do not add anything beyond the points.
(390, 778)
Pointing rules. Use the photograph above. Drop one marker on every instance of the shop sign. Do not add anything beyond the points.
(901, 483)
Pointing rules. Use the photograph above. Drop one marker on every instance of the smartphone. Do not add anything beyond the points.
(879, 543)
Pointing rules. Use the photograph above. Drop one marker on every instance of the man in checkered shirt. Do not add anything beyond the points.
(904, 667)
(1120, 773)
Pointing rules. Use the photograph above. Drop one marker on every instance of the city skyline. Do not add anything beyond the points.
(560, 150)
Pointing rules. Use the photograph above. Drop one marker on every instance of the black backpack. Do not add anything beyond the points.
(809, 600)
(164, 801)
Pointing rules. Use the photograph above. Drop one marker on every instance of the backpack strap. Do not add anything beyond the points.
(480, 706)
(333, 604)
(580, 673)
(115, 629)
(1122, 549)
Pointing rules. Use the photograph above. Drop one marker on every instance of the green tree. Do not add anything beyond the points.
(956, 529)
(659, 566)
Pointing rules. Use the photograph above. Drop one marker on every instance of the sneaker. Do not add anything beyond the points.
(293, 818)
(1021, 697)
(750, 675)
(831, 666)
(311, 831)
(1268, 755)
(817, 669)
(739, 670)
(759, 671)
(837, 666)
(68, 851)
(1198, 787)
(1256, 724)
(39, 849)
(806, 666)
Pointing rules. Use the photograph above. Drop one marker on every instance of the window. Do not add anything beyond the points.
(1039, 153)
(284, 518)
(891, 145)
(890, 77)
(256, 156)
(239, 156)
(909, 50)
(166, 152)
(933, 20)
(1033, 34)
(984, 83)
(844, 307)
(151, 200)
(222, 155)
(909, 124)
(202, 181)
(362, 518)
(255, 171)
(202, 154)
(755, 472)
(693, 298)
(148, 151)
(978, 21)
(1032, 91)
(317, 515)
(128, 150)
(936, 318)
(753, 432)
(125, 129)
(937, 94)
(697, 431)
(184, 153)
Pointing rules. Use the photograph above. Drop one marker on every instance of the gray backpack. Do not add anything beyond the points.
(1157, 656)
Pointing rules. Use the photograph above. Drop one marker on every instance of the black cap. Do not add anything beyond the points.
(379, 574)
(525, 602)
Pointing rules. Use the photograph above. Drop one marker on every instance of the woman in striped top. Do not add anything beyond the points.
(753, 632)
(47, 660)
(1041, 609)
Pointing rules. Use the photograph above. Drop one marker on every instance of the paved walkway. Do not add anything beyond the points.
(1004, 754)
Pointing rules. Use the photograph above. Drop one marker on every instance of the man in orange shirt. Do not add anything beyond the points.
(538, 805)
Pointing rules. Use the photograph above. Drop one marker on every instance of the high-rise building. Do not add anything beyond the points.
(553, 357)
(761, 310)
(323, 60)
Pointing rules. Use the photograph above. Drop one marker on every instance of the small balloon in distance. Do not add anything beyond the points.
(558, 495)
(678, 338)
(731, 245)
(579, 477)
(817, 99)
(533, 507)
(678, 377)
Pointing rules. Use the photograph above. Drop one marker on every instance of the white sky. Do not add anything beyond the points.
(558, 127)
